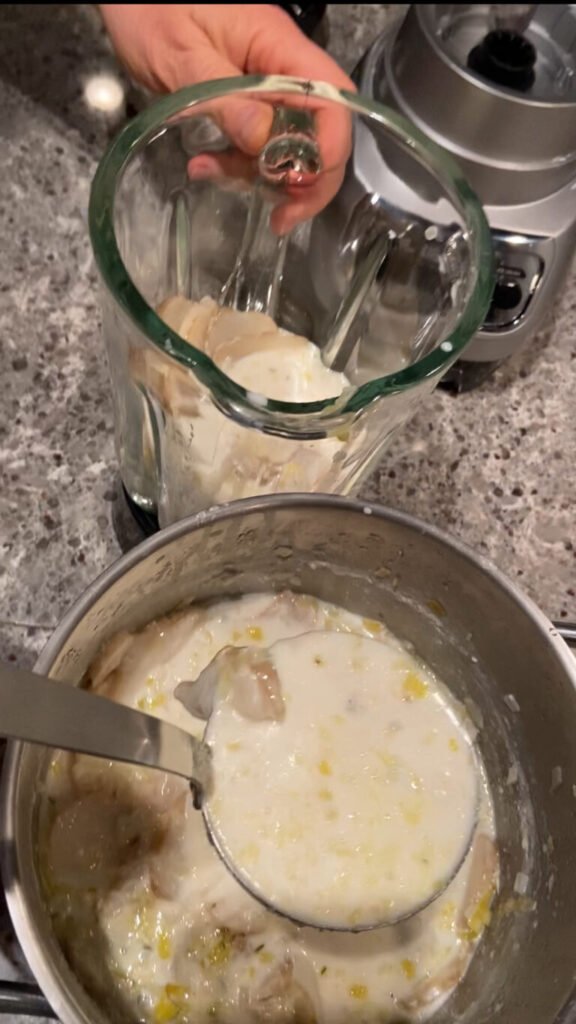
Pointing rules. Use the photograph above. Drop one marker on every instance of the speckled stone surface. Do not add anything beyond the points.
(495, 467)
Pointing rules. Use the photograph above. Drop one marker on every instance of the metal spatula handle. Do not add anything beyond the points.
(37, 709)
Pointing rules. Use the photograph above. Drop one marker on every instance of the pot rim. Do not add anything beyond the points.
(64, 1001)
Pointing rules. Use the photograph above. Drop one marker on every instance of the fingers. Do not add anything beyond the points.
(298, 209)
(245, 122)
(173, 45)
(296, 202)
(232, 165)
(262, 39)
(278, 47)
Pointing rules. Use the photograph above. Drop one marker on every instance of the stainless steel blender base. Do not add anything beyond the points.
(516, 146)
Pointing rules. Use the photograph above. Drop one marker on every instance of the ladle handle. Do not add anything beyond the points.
(37, 709)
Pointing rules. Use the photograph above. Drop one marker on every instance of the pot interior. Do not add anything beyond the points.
(492, 648)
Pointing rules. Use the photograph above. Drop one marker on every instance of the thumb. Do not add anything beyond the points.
(247, 123)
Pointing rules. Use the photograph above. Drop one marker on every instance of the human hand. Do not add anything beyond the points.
(166, 47)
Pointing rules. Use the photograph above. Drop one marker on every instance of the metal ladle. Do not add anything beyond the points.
(201, 699)
(37, 709)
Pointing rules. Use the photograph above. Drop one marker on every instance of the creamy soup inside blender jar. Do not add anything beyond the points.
(212, 455)
(155, 926)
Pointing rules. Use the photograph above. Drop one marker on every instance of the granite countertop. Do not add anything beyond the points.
(495, 467)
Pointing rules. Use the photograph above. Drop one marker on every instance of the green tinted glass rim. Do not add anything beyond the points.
(116, 278)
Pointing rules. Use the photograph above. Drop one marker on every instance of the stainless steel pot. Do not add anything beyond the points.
(492, 646)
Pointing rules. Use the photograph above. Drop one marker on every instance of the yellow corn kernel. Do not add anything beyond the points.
(165, 1010)
(177, 993)
(414, 688)
(358, 991)
(255, 633)
(371, 626)
(516, 905)
(324, 768)
(480, 916)
(412, 812)
(163, 945)
(436, 607)
(325, 794)
(408, 969)
(453, 744)
(149, 702)
(221, 949)
(266, 957)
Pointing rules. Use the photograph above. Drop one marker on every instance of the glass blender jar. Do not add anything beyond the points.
(294, 230)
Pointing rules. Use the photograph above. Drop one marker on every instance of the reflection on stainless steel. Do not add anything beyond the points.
(39, 710)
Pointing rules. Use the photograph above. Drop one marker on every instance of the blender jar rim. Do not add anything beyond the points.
(232, 397)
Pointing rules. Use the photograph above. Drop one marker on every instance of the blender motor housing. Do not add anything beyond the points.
(495, 85)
